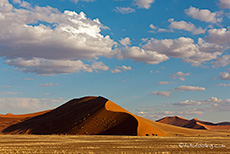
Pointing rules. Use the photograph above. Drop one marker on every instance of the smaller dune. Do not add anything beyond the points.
(9, 114)
(223, 123)
(194, 123)
(174, 120)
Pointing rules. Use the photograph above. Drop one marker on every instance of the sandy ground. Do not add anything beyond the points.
(54, 144)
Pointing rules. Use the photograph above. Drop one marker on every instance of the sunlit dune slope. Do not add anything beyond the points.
(88, 115)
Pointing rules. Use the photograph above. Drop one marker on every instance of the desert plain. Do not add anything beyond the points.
(97, 144)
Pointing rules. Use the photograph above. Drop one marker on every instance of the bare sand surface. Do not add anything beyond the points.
(98, 144)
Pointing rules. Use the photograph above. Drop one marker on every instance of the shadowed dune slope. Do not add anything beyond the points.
(88, 115)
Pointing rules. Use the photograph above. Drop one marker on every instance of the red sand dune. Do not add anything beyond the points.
(175, 120)
(96, 116)
(88, 115)
(194, 123)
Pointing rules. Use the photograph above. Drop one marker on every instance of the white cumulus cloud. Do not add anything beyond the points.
(49, 84)
(181, 47)
(146, 4)
(27, 105)
(224, 76)
(52, 67)
(125, 68)
(161, 93)
(185, 48)
(179, 75)
(222, 61)
(164, 82)
(224, 4)
(76, 1)
(203, 15)
(187, 108)
(8, 93)
(212, 104)
(119, 69)
(183, 25)
(32, 46)
(223, 85)
(152, 26)
(219, 36)
(189, 88)
(125, 41)
(116, 70)
(140, 55)
(124, 10)
(188, 103)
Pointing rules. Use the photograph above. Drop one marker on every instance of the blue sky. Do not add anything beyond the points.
(155, 58)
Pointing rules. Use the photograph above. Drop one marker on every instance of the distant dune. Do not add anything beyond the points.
(11, 119)
(194, 123)
(96, 116)
(175, 120)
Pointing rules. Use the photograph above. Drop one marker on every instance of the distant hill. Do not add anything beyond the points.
(175, 120)
(223, 123)
(194, 123)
